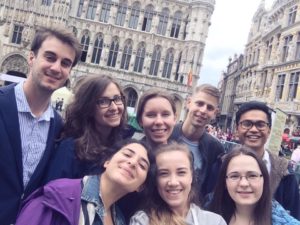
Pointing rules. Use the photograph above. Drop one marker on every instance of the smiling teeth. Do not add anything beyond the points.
(174, 191)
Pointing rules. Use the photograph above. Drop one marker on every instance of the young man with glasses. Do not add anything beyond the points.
(253, 124)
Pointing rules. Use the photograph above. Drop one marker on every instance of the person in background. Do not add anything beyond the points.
(28, 123)
(94, 121)
(202, 108)
(174, 199)
(90, 200)
(242, 193)
(156, 114)
(253, 124)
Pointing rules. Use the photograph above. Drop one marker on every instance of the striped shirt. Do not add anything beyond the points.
(34, 133)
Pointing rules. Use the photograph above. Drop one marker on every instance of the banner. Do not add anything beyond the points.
(274, 142)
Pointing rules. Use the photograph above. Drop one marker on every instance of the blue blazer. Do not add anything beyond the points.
(11, 168)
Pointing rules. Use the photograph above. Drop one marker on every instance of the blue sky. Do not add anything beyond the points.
(227, 35)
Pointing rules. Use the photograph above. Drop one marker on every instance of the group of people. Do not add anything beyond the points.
(88, 170)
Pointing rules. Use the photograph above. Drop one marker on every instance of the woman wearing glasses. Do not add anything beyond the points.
(242, 193)
(94, 120)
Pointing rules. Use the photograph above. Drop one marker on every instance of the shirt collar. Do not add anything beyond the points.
(23, 106)
(266, 159)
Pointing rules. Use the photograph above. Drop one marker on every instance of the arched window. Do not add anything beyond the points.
(91, 10)
(126, 55)
(113, 53)
(98, 46)
(135, 14)
(139, 59)
(155, 61)
(163, 21)
(176, 24)
(80, 6)
(85, 40)
(168, 64)
(75, 31)
(105, 11)
(148, 16)
(132, 98)
(121, 14)
(178, 66)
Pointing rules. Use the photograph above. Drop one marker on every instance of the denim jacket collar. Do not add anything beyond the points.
(90, 193)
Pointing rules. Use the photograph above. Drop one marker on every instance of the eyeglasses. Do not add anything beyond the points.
(250, 176)
(105, 102)
(248, 124)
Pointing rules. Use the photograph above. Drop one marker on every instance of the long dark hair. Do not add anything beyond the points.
(157, 209)
(80, 118)
(223, 204)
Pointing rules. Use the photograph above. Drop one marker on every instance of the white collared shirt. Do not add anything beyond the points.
(266, 159)
(34, 133)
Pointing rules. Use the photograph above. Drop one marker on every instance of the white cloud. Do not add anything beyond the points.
(227, 36)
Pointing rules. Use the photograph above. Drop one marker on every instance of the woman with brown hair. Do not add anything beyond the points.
(94, 120)
(173, 199)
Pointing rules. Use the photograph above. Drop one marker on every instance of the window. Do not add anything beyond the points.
(80, 6)
(46, 2)
(132, 98)
(126, 56)
(178, 66)
(113, 53)
(293, 86)
(134, 17)
(176, 25)
(163, 22)
(91, 11)
(269, 48)
(155, 61)
(279, 87)
(148, 16)
(121, 14)
(298, 47)
(292, 15)
(285, 50)
(139, 59)
(168, 64)
(85, 40)
(105, 10)
(98, 46)
(17, 34)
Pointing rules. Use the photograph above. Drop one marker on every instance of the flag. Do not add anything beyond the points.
(190, 79)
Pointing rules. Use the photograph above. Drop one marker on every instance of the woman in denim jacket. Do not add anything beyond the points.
(90, 200)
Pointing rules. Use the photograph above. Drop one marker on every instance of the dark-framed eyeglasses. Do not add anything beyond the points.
(105, 102)
(248, 124)
(250, 176)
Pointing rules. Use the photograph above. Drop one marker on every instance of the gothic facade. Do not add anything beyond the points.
(271, 64)
(143, 44)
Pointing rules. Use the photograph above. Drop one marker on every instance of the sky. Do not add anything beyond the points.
(227, 35)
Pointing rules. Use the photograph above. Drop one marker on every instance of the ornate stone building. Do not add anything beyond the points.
(142, 43)
(228, 89)
(271, 64)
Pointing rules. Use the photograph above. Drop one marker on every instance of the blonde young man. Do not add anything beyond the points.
(202, 108)
(28, 123)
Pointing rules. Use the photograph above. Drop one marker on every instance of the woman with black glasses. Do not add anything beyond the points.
(242, 194)
(94, 120)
